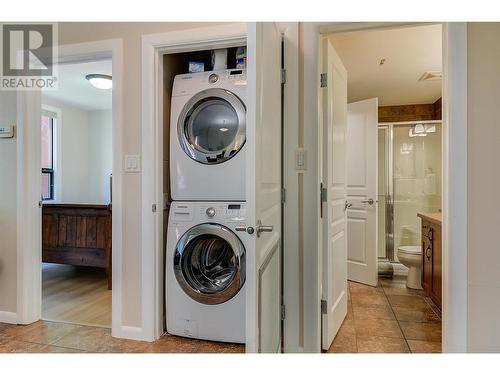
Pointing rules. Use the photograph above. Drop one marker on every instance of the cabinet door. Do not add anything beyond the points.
(436, 265)
(427, 234)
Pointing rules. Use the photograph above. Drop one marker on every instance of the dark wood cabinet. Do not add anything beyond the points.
(432, 256)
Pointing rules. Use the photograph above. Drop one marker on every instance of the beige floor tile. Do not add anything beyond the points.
(344, 344)
(174, 344)
(378, 344)
(128, 346)
(59, 349)
(418, 346)
(356, 288)
(376, 312)
(422, 315)
(407, 301)
(421, 331)
(389, 291)
(44, 332)
(395, 282)
(15, 346)
(377, 327)
(369, 300)
(217, 347)
(89, 339)
(347, 328)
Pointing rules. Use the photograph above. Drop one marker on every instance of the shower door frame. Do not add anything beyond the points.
(389, 191)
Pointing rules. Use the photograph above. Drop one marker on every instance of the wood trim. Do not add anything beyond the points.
(410, 112)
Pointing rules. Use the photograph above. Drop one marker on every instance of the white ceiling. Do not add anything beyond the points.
(75, 90)
(409, 53)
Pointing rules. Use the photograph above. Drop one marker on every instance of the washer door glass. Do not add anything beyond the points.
(212, 126)
(209, 263)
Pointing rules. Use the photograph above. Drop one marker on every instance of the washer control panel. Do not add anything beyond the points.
(223, 211)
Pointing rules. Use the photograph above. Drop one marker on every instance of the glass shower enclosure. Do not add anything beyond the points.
(409, 182)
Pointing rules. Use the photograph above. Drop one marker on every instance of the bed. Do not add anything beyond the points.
(77, 234)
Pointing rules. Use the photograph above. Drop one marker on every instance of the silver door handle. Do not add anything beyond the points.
(263, 228)
(369, 201)
(347, 205)
(242, 228)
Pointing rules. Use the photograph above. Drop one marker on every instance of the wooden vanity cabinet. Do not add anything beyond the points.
(432, 259)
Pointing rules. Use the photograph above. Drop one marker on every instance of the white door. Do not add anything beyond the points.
(263, 195)
(362, 138)
(334, 250)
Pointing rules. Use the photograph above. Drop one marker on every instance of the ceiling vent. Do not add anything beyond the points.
(430, 76)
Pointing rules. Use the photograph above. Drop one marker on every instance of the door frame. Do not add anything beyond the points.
(454, 178)
(154, 46)
(29, 260)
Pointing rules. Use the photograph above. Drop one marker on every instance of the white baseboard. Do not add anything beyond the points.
(8, 317)
(129, 332)
(399, 269)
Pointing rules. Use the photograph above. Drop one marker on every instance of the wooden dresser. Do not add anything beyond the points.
(432, 256)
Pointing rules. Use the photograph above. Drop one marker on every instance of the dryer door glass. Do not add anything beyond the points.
(212, 126)
(209, 263)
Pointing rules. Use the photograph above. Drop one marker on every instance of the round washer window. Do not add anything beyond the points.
(209, 264)
(212, 126)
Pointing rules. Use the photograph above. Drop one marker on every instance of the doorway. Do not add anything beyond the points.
(76, 191)
(394, 314)
(29, 267)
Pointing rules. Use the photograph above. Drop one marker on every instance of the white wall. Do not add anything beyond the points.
(8, 207)
(100, 155)
(86, 154)
(483, 128)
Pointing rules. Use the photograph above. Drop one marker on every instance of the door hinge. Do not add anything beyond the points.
(153, 207)
(324, 308)
(283, 76)
(283, 312)
(283, 195)
(323, 80)
(324, 193)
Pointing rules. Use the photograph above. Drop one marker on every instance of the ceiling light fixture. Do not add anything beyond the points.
(100, 81)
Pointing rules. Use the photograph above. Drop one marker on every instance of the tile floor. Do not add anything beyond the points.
(389, 318)
(51, 337)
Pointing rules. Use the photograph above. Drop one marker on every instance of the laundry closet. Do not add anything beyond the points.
(204, 113)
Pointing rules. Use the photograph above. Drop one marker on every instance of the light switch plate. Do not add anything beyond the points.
(132, 163)
(301, 159)
(6, 131)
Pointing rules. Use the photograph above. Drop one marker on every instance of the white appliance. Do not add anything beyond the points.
(205, 271)
(207, 136)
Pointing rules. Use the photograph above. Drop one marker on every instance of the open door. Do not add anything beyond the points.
(362, 139)
(333, 194)
(263, 194)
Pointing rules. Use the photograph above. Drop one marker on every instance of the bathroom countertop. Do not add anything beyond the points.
(434, 217)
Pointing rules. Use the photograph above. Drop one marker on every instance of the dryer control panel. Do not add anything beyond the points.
(230, 213)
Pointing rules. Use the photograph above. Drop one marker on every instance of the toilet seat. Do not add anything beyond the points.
(410, 250)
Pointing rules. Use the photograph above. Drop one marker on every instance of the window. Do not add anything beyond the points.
(47, 130)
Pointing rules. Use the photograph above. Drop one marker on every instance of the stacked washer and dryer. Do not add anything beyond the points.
(205, 256)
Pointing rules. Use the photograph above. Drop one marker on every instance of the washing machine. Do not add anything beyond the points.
(205, 271)
(207, 136)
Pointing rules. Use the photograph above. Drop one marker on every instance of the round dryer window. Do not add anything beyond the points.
(212, 126)
(209, 263)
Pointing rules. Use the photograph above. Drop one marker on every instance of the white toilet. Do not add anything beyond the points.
(411, 257)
